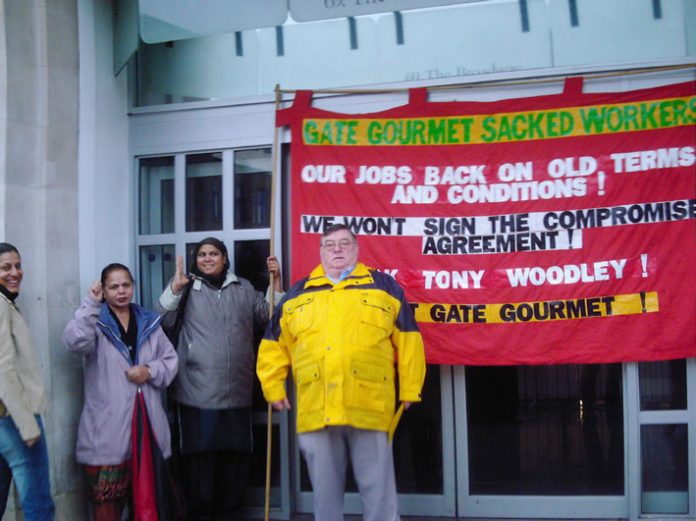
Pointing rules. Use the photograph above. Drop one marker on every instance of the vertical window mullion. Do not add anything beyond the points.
(180, 203)
(228, 201)
(228, 192)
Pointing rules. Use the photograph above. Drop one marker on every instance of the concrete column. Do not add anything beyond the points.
(38, 209)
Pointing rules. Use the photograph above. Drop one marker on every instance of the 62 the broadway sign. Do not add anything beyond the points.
(555, 229)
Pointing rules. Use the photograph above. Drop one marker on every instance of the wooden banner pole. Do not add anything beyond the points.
(274, 181)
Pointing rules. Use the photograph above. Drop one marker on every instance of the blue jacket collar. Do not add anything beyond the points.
(147, 321)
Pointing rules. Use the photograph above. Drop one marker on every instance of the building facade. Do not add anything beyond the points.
(137, 166)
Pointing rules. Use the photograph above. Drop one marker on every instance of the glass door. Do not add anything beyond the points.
(540, 441)
(665, 455)
(184, 197)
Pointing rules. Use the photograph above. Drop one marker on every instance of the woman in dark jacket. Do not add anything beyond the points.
(213, 389)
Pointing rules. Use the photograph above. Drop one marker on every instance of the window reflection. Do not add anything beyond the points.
(197, 69)
(252, 188)
(545, 430)
(662, 385)
(665, 480)
(250, 262)
(204, 192)
(418, 442)
(189, 259)
(156, 195)
(473, 39)
(157, 264)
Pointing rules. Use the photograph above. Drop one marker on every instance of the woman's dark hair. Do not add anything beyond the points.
(215, 243)
(114, 266)
(6, 247)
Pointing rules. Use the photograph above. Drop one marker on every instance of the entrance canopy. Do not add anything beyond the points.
(156, 21)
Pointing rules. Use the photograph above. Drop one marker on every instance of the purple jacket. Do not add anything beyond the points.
(104, 434)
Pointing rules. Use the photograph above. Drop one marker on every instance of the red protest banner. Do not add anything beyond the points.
(552, 229)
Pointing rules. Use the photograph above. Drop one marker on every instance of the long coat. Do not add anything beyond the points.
(104, 433)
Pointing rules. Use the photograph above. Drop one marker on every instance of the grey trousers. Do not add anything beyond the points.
(326, 452)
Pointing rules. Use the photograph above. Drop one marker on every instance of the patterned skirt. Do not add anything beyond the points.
(108, 482)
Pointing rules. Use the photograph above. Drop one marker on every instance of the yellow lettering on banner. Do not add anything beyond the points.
(505, 127)
(540, 311)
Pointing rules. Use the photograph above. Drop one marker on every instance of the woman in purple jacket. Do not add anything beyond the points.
(126, 352)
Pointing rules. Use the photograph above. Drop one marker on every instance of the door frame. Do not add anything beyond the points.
(505, 506)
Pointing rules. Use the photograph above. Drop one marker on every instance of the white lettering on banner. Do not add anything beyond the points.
(509, 172)
(567, 220)
(567, 274)
(650, 159)
(407, 194)
(526, 191)
(572, 167)
(383, 175)
(323, 174)
(501, 243)
(358, 225)
(454, 175)
(453, 279)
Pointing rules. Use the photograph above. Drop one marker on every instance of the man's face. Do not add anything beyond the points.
(338, 251)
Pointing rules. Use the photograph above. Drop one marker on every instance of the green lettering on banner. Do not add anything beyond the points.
(592, 120)
(309, 131)
(326, 135)
(534, 126)
(488, 125)
(631, 117)
(527, 126)
(436, 131)
(374, 133)
(647, 114)
(418, 130)
(504, 130)
(643, 116)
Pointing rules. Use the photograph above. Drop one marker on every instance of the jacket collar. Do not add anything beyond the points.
(9, 302)
(146, 321)
(359, 276)
(231, 278)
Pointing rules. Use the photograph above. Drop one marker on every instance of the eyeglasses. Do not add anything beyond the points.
(343, 244)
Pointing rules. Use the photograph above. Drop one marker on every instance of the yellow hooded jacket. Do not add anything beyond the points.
(343, 342)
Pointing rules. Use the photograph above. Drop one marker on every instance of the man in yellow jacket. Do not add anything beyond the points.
(346, 331)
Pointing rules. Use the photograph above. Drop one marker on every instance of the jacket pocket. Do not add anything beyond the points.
(192, 355)
(299, 312)
(310, 388)
(377, 319)
(368, 386)
(377, 311)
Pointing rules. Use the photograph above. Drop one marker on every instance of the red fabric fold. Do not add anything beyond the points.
(143, 472)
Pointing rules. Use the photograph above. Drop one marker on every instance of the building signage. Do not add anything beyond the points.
(313, 10)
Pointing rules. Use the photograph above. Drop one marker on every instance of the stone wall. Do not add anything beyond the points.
(39, 102)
